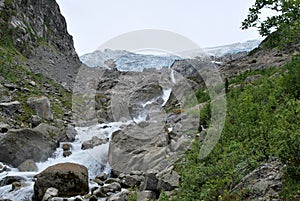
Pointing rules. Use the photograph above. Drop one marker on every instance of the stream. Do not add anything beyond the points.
(95, 159)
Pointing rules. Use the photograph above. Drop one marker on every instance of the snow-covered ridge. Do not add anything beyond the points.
(129, 61)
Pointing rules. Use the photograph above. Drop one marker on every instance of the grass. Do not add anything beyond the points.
(21, 76)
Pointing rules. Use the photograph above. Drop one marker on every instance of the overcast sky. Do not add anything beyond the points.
(206, 22)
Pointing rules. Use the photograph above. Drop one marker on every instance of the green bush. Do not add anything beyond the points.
(262, 123)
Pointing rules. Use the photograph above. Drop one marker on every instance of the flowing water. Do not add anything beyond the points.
(95, 159)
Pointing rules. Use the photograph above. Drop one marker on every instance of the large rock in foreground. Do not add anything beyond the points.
(69, 179)
(23, 144)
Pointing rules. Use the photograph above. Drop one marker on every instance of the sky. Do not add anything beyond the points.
(207, 23)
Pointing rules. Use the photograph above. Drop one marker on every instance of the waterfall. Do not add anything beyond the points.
(172, 76)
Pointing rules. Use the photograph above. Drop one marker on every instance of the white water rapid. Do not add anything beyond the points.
(95, 159)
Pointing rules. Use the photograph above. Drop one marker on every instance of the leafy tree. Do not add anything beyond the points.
(288, 13)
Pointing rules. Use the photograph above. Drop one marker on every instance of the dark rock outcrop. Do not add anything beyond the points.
(22, 144)
(69, 179)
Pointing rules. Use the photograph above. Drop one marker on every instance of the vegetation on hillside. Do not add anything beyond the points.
(13, 71)
(262, 124)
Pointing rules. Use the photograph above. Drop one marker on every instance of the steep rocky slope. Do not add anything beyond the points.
(38, 31)
(38, 64)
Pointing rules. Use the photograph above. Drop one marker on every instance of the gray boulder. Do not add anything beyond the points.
(35, 120)
(23, 144)
(69, 179)
(28, 166)
(95, 141)
(169, 181)
(42, 107)
(53, 133)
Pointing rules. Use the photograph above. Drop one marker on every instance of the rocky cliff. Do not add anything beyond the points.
(38, 31)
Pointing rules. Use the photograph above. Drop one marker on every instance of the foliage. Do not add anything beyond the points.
(288, 13)
(262, 123)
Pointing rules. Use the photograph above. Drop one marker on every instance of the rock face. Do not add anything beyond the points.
(42, 107)
(265, 182)
(22, 144)
(38, 30)
(69, 179)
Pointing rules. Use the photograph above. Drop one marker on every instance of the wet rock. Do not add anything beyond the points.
(102, 177)
(99, 193)
(67, 153)
(95, 141)
(50, 193)
(16, 185)
(35, 120)
(3, 168)
(11, 179)
(11, 107)
(41, 105)
(69, 179)
(78, 198)
(99, 182)
(70, 134)
(28, 166)
(110, 188)
(93, 198)
(23, 144)
(66, 147)
(112, 180)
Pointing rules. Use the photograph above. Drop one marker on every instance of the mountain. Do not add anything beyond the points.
(223, 50)
(38, 31)
(127, 61)
(232, 48)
